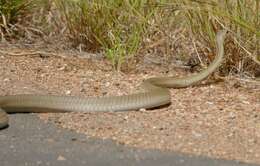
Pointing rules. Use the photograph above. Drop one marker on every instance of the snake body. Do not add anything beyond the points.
(156, 94)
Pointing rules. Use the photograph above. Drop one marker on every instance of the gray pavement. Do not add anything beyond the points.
(30, 142)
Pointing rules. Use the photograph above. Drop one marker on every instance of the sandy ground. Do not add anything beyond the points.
(220, 120)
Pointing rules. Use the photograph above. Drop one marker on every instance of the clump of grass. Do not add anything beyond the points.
(11, 12)
(119, 27)
(240, 17)
(116, 26)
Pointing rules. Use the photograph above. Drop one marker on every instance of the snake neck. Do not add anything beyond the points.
(172, 82)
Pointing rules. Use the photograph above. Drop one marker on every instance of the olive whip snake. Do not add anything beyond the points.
(156, 94)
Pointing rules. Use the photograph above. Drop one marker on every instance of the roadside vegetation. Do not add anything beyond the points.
(11, 14)
(121, 29)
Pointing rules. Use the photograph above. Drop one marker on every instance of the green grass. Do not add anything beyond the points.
(11, 12)
(240, 17)
(120, 28)
(115, 27)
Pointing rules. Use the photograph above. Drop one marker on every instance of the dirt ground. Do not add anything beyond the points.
(220, 120)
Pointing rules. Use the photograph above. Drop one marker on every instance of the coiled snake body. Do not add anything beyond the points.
(156, 95)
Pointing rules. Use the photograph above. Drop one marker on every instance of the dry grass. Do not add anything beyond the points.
(116, 27)
(11, 14)
(240, 17)
(123, 29)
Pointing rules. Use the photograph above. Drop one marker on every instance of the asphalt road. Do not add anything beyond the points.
(30, 142)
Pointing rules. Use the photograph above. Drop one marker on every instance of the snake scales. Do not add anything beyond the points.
(156, 94)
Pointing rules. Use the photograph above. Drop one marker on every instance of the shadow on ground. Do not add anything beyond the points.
(29, 142)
